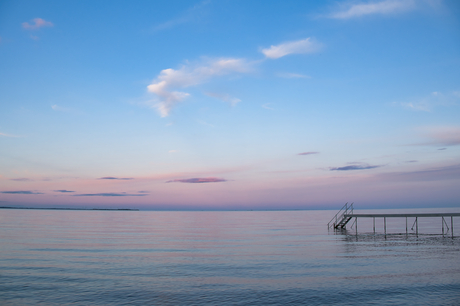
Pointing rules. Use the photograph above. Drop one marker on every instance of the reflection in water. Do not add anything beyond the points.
(225, 258)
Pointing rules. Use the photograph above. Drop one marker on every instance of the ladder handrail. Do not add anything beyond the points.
(347, 209)
(335, 217)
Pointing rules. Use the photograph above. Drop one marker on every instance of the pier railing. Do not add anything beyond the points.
(339, 217)
(345, 214)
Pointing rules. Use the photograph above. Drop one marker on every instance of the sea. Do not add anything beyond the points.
(86, 257)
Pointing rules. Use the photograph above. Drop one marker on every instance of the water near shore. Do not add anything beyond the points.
(221, 258)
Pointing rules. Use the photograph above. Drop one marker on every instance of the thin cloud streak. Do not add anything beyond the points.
(302, 46)
(210, 172)
(198, 180)
(22, 192)
(224, 97)
(354, 167)
(8, 135)
(451, 172)
(205, 123)
(267, 106)
(189, 16)
(110, 194)
(22, 179)
(429, 102)
(289, 75)
(63, 191)
(386, 7)
(58, 108)
(116, 178)
(308, 153)
(36, 24)
(442, 136)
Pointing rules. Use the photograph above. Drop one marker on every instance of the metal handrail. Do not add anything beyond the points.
(348, 210)
(344, 212)
(335, 217)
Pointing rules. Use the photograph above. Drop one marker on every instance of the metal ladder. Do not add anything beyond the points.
(341, 218)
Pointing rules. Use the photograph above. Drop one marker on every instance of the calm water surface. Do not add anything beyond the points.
(221, 258)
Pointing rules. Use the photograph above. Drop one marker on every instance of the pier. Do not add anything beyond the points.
(345, 215)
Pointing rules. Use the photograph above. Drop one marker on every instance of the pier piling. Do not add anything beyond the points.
(374, 225)
(406, 226)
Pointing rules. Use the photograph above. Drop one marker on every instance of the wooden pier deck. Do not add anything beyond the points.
(345, 215)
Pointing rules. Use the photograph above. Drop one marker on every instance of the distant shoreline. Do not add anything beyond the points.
(63, 208)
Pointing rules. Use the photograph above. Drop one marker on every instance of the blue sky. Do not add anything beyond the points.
(230, 104)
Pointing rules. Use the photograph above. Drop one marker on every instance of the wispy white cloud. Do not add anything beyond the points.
(166, 83)
(429, 102)
(385, 7)
(224, 97)
(36, 24)
(205, 123)
(288, 75)
(60, 108)
(190, 15)
(302, 46)
(268, 106)
(8, 135)
(418, 105)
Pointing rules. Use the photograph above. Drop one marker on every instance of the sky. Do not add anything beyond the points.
(230, 104)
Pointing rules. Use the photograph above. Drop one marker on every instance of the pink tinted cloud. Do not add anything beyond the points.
(450, 172)
(111, 194)
(115, 178)
(445, 135)
(22, 179)
(203, 172)
(198, 180)
(37, 23)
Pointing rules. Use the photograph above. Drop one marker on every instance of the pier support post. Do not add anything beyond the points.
(356, 225)
(452, 226)
(374, 225)
(385, 224)
(406, 226)
(416, 226)
(442, 220)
